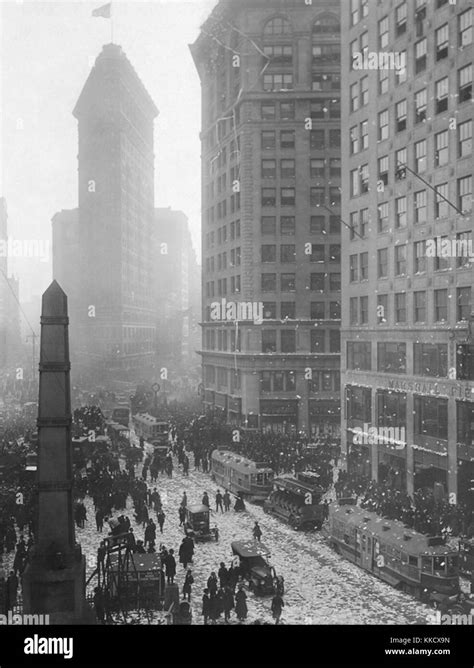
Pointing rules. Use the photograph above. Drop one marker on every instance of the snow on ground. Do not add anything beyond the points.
(320, 586)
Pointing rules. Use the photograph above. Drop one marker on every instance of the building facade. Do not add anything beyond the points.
(178, 293)
(270, 74)
(10, 340)
(407, 275)
(111, 278)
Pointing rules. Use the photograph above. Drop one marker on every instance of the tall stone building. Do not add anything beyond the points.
(10, 340)
(178, 294)
(111, 276)
(270, 75)
(408, 324)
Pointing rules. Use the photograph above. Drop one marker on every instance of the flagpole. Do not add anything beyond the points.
(111, 25)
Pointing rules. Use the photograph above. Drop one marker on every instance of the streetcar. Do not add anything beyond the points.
(416, 564)
(31, 462)
(121, 414)
(466, 555)
(253, 480)
(118, 434)
(151, 428)
(296, 500)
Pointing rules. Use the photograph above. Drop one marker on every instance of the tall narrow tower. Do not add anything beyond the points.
(54, 581)
(112, 314)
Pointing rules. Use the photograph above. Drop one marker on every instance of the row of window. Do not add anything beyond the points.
(317, 225)
(273, 340)
(287, 310)
(284, 81)
(318, 341)
(219, 287)
(440, 307)
(360, 220)
(429, 359)
(319, 253)
(326, 24)
(221, 377)
(219, 185)
(430, 414)
(318, 109)
(235, 260)
(272, 381)
(220, 210)
(359, 141)
(318, 168)
(359, 263)
(442, 42)
(360, 185)
(319, 282)
(230, 152)
(442, 34)
(319, 139)
(358, 10)
(318, 196)
(359, 97)
(285, 381)
(222, 234)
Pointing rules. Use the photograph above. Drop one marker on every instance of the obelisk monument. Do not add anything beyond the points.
(54, 580)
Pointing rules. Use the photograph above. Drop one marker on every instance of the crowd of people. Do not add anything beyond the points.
(283, 452)
(224, 592)
(423, 511)
(109, 477)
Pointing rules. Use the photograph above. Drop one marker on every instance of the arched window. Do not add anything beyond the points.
(277, 26)
(327, 24)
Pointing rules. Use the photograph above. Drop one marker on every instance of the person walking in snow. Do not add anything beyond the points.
(257, 532)
(161, 520)
(226, 499)
(188, 581)
(219, 499)
(241, 604)
(277, 607)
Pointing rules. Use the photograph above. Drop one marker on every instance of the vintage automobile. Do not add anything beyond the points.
(159, 453)
(196, 524)
(254, 567)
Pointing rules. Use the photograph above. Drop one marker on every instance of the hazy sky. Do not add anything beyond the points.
(46, 52)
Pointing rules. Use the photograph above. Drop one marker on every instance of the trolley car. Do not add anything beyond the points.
(151, 428)
(466, 554)
(238, 474)
(118, 434)
(121, 414)
(419, 565)
(296, 499)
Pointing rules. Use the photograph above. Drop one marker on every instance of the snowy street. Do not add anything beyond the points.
(320, 586)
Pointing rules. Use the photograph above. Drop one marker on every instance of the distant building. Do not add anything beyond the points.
(102, 252)
(66, 263)
(271, 225)
(408, 169)
(178, 292)
(10, 340)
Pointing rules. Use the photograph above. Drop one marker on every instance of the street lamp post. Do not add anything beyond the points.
(156, 388)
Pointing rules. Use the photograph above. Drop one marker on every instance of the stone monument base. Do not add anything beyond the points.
(58, 593)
